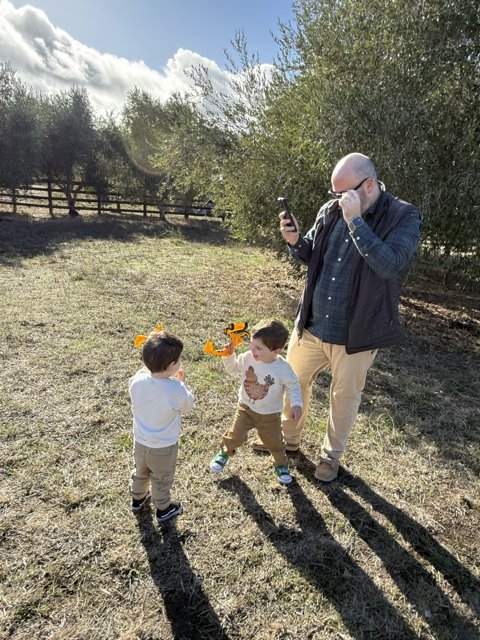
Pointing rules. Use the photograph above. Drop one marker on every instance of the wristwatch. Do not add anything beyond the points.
(355, 223)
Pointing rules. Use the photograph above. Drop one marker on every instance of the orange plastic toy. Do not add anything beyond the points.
(139, 340)
(236, 331)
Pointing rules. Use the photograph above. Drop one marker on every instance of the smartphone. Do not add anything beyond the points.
(288, 214)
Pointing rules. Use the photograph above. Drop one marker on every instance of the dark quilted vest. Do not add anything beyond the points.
(372, 312)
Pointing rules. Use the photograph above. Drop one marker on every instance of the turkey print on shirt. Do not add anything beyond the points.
(253, 389)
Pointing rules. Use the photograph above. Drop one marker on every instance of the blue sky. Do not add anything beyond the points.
(153, 30)
(112, 46)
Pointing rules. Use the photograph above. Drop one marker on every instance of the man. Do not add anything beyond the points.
(358, 253)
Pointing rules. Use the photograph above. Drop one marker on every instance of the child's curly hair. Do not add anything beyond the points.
(273, 333)
(160, 349)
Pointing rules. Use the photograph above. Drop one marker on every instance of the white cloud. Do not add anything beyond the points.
(49, 59)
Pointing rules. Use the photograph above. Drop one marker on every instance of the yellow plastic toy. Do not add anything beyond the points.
(139, 340)
(236, 331)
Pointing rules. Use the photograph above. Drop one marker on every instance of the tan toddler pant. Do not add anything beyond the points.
(154, 468)
(269, 429)
(308, 357)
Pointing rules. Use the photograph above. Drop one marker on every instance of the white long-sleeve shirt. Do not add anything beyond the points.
(264, 383)
(157, 407)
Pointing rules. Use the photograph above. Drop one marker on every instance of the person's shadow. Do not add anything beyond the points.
(187, 608)
(316, 554)
(417, 582)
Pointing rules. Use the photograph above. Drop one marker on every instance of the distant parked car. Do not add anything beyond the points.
(206, 209)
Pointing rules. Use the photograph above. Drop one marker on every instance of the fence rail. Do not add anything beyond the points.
(48, 196)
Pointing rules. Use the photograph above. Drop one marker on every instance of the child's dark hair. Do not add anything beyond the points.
(161, 349)
(273, 333)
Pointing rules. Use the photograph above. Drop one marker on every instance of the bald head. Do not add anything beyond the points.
(356, 165)
(351, 172)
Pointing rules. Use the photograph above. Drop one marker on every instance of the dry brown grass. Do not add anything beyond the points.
(390, 550)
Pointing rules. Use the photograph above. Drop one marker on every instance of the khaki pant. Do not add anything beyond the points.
(269, 429)
(308, 357)
(154, 468)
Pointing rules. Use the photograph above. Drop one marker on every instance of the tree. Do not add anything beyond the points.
(245, 161)
(142, 120)
(172, 146)
(70, 142)
(20, 136)
(394, 79)
(189, 150)
(400, 81)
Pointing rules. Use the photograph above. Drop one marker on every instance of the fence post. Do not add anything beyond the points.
(99, 204)
(50, 201)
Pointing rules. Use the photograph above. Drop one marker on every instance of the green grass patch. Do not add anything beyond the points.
(389, 551)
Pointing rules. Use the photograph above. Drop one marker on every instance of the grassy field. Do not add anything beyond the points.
(390, 550)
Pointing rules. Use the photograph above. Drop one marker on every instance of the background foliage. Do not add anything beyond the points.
(398, 81)
(395, 79)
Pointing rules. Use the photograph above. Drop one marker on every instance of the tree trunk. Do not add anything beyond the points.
(71, 207)
(70, 197)
(161, 211)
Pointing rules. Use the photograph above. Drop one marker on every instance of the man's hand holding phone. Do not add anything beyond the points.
(288, 224)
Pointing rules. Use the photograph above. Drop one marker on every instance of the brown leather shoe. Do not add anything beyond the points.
(327, 470)
(259, 446)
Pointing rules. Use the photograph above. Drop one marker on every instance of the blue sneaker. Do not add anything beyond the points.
(219, 462)
(283, 474)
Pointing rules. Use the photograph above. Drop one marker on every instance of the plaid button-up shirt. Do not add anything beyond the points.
(328, 312)
(327, 318)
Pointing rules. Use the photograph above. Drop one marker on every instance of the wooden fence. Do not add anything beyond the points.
(51, 197)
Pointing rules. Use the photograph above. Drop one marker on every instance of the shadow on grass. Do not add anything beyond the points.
(437, 402)
(429, 390)
(186, 605)
(23, 237)
(315, 553)
(418, 584)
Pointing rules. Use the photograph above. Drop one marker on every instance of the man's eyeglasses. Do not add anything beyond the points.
(339, 194)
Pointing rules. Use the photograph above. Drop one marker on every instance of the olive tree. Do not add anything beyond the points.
(397, 80)
(69, 142)
(20, 133)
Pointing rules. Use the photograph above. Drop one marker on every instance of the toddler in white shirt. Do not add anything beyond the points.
(266, 377)
(159, 398)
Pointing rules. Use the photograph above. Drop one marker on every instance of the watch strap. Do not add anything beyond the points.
(355, 223)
